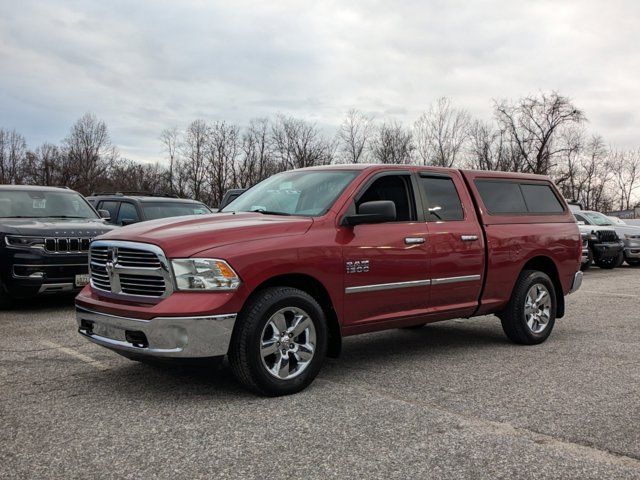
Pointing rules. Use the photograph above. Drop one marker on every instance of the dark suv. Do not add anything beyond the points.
(126, 208)
(44, 240)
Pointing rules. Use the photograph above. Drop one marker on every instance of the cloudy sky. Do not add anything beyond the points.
(146, 65)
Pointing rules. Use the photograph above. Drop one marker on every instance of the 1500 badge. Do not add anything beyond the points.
(358, 266)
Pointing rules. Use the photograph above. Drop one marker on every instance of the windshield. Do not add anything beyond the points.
(155, 210)
(596, 218)
(307, 193)
(43, 204)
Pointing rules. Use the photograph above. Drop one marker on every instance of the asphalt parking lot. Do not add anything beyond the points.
(451, 400)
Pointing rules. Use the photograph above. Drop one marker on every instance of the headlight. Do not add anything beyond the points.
(24, 242)
(204, 274)
(631, 237)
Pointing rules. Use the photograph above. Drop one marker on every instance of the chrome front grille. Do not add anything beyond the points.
(129, 268)
(66, 245)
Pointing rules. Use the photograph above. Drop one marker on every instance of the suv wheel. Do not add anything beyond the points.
(531, 312)
(279, 342)
(611, 262)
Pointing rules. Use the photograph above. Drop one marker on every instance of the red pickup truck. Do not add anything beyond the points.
(309, 256)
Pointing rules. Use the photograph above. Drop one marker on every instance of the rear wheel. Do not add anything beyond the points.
(531, 313)
(279, 343)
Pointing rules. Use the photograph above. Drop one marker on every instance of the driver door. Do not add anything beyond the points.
(386, 264)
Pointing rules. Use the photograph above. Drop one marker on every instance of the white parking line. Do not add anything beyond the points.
(607, 294)
(80, 356)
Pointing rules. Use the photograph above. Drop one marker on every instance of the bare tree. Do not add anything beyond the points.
(256, 162)
(170, 138)
(222, 151)
(392, 144)
(299, 144)
(440, 133)
(194, 150)
(488, 148)
(88, 154)
(532, 126)
(625, 166)
(13, 148)
(43, 166)
(354, 136)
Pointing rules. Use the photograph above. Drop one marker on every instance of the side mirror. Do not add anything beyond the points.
(104, 214)
(128, 221)
(379, 211)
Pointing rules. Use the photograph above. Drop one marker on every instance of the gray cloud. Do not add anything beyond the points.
(143, 66)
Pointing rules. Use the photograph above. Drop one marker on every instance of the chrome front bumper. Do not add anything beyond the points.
(181, 337)
(577, 282)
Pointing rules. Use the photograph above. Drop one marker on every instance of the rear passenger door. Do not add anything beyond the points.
(455, 243)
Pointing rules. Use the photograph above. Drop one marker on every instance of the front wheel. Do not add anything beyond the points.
(530, 315)
(279, 342)
(611, 262)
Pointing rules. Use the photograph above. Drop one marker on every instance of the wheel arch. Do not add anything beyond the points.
(546, 264)
(318, 291)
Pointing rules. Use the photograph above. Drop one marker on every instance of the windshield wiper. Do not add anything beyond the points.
(270, 212)
(65, 216)
(22, 216)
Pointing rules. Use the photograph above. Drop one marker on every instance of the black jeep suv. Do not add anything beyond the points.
(44, 239)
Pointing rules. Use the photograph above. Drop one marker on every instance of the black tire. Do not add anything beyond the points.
(633, 262)
(5, 300)
(611, 262)
(514, 322)
(244, 352)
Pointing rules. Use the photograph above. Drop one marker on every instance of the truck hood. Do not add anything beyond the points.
(54, 227)
(186, 236)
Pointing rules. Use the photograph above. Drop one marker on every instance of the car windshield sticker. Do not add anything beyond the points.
(39, 203)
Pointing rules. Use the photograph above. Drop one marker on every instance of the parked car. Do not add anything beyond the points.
(44, 241)
(587, 256)
(309, 256)
(628, 238)
(126, 208)
(230, 196)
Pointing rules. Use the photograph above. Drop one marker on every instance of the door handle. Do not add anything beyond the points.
(414, 240)
(468, 238)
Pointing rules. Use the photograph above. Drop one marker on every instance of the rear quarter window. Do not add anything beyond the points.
(509, 197)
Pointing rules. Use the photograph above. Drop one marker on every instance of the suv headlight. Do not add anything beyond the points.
(204, 274)
(24, 242)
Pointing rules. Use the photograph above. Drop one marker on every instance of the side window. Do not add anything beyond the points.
(501, 197)
(396, 188)
(518, 197)
(580, 218)
(540, 198)
(442, 196)
(127, 211)
(111, 207)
